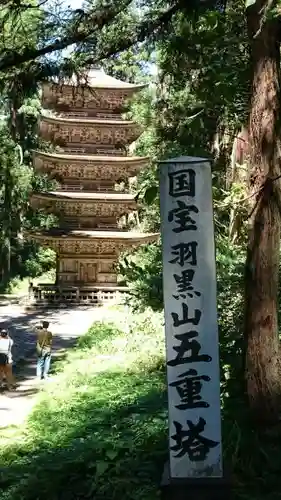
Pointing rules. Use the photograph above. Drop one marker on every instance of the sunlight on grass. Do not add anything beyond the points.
(100, 429)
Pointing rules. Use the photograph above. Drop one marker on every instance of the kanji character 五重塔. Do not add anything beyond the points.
(188, 351)
(189, 387)
(191, 441)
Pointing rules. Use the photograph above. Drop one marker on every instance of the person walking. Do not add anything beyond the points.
(30, 290)
(44, 349)
(9, 368)
(6, 361)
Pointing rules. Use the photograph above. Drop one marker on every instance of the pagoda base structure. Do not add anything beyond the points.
(46, 295)
(86, 261)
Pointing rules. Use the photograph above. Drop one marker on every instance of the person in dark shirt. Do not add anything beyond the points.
(44, 349)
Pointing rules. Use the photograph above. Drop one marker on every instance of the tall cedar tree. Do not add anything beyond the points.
(263, 367)
(14, 91)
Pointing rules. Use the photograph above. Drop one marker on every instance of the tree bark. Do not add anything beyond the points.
(262, 355)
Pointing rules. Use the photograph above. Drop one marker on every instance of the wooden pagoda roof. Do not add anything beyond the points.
(57, 120)
(91, 158)
(93, 234)
(96, 78)
(105, 244)
(84, 196)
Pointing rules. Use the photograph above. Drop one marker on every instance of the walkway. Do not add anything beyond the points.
(66, 325)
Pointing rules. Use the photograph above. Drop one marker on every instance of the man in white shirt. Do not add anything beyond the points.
(6, 365)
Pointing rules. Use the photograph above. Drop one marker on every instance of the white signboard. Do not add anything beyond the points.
(189, 280)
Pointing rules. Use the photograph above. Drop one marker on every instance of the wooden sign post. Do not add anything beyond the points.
(189, 280)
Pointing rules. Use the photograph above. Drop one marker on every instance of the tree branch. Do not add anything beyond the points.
(141, 32)
(101, 19)
(96, 21)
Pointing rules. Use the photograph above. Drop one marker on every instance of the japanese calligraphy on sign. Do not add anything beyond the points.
(189, 280)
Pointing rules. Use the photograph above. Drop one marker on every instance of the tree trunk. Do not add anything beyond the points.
(262, 356)
(7, 217)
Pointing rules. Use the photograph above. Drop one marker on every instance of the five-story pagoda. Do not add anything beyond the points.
(91, 142)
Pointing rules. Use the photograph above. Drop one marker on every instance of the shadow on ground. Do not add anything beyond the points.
(25, 370)
(21, 323)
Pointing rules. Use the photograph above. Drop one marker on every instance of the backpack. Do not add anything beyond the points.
(40, 348)
(3, 359)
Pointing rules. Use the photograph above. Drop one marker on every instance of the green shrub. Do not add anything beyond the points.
(100, 430)
(42, 261)
(97, 334)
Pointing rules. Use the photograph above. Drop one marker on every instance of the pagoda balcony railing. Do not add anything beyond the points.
(72, 187)
(54, 295)
(85, 115)
(79, 187)
(76, 224)
(79, 114)
(98, 151)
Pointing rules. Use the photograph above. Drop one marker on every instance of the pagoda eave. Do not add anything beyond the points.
(76, 204)
(88, 132)
(70, 197)
(90, 159)
(107, 84)
(105, 244)
(95, 92)
(85, 167)
(62, 120)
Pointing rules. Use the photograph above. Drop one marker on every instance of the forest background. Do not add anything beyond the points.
(213, 74)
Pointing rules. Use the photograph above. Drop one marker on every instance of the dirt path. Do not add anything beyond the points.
(66, 325)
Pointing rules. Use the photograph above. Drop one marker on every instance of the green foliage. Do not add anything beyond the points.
(15, 181)
(40, 262)
(130, 65)
(150, 194)
(100, 429)
(230, 281)
(195, 107)
(98, 335)
(19, 107)
(142, 271)
(20, 285)
(104, 411)
(203, 72)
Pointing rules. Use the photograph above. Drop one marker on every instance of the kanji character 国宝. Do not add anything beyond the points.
(181, 216)
(182, 183)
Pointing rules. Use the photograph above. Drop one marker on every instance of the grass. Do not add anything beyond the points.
(100, 430)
